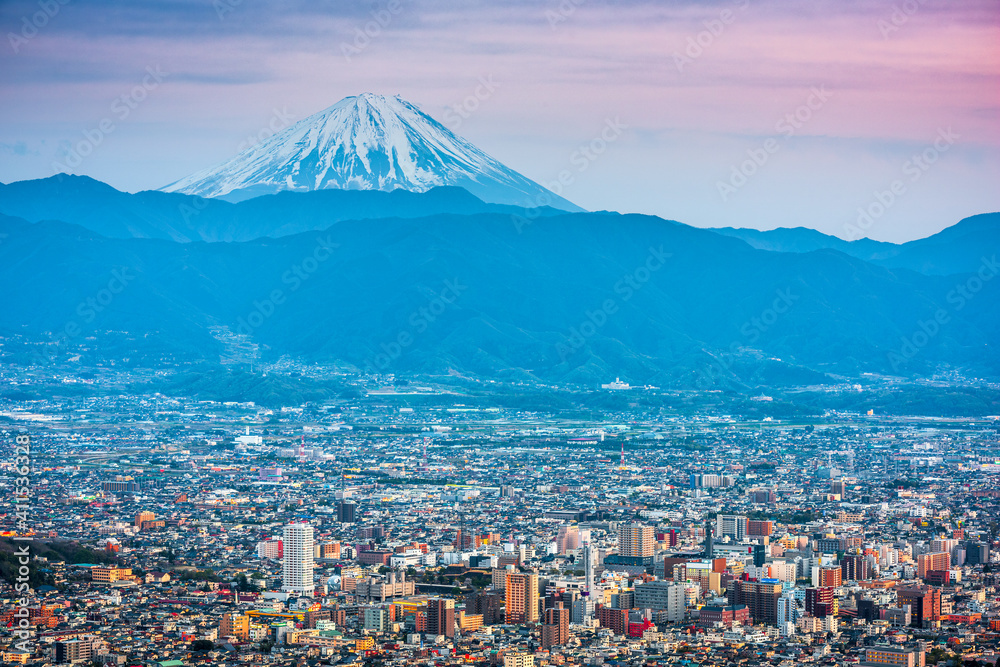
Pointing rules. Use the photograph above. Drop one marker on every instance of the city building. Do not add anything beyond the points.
(555, 630)
(441, 617)
(297, 560)
(924, 602)
(521, 601)
(636, 540)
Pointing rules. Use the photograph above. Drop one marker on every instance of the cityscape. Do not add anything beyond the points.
(402, 527)
(535, 333)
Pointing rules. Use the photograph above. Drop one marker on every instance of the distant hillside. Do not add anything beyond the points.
(572, 298)
(178, 217)
(958, 249)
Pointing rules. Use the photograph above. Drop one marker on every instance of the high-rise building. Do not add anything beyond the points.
(977, 553)
(347, 511)
(819, 601)
(635, 540)
(855, 567)
(932, 562)
(788, 608)
(759, 528)
(761, 597)
(143, 517)
(568, 539)
(297, 559)
(925, 604)
(588, 567)
(555, 631)
(614, 619)
(829, 575)
(711, 481)
(665, 596)
(521, 598)
(489, 605)
(441, 617)
(733, 525)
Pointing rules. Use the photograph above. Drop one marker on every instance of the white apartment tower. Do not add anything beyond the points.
(297, 564)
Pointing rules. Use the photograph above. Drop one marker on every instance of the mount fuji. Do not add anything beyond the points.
(367, 142)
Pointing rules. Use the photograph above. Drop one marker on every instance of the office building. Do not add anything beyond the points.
(297, 559)
(977, 553)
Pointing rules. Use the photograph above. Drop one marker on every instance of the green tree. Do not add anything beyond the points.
(202, 645)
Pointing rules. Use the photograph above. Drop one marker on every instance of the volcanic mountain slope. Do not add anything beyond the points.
(368, 142)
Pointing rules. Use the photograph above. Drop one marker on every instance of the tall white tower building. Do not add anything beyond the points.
(588, 567)
(297, 563)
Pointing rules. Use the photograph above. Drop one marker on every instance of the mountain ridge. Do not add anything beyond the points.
(367, 142)
(565, 299)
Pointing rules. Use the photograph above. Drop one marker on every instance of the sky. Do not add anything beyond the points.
(857, 118)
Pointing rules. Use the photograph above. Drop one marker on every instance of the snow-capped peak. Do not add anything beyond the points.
(367, 142)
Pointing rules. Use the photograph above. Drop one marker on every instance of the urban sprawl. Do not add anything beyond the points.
(150, 530)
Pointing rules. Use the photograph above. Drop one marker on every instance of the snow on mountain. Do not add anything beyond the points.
(368, 142)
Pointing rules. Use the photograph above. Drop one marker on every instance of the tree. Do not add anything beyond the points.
(202, 645)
